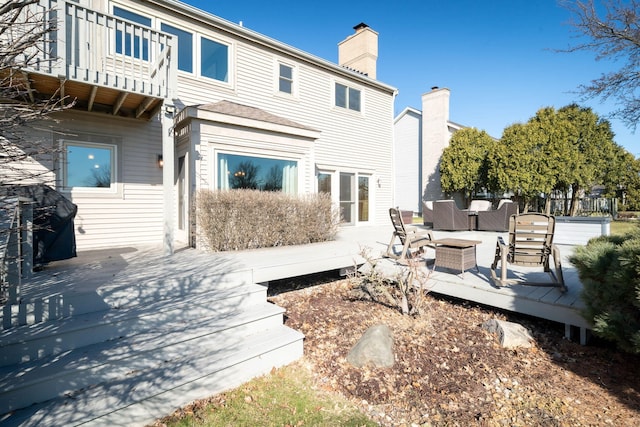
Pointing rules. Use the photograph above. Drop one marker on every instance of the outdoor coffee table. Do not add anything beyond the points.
(456, 254)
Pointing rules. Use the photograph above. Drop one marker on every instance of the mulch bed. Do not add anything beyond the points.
(450, 371)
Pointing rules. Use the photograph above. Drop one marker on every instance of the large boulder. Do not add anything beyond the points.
(375, 347)
(510, 335)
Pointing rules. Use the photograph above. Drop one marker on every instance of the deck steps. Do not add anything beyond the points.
(139, 359)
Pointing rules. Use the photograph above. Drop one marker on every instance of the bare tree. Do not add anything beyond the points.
(27, 34)
(26, 31)
(613, 30)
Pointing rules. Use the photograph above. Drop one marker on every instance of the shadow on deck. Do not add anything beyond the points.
(110, 277)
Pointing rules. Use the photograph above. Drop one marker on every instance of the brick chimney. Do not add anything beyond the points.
(359, 51)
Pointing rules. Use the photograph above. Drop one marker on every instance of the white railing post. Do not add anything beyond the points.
(58, 59)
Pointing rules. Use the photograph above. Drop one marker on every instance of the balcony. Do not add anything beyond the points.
(103, 63)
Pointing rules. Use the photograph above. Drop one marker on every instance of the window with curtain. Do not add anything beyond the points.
(257, 173)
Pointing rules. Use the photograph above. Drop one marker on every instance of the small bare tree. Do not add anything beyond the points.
(27, 32)
(404, 290)
(25, 42)
(613, 30)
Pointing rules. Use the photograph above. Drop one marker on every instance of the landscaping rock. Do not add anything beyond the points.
(375, 347)
(510, 334)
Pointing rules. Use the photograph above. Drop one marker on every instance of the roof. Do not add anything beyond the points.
(229, 27)
(235, 114)
(244, 111)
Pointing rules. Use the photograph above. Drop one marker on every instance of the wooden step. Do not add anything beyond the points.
(59, 300)
(143, 350)
(31, 342)
(141, 396)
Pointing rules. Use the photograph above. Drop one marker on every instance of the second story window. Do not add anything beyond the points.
(285, 79)
(185, 46)
(127, 41)
(214, 60)
(347, 97)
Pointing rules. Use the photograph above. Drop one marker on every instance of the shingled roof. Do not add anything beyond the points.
(246, 112)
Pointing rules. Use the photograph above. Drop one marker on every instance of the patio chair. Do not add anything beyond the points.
(498, 219)
(530, 245)
(410, 237)
(427, 213)
(447, 216)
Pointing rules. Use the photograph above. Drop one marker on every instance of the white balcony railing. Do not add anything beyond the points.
(104, 50)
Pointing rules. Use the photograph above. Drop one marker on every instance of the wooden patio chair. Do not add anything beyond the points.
(410, 237)
(530, 245)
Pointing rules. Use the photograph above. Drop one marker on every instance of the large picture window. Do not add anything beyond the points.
(89, 165)
(127, 42)
(257, 173)
(214, 60)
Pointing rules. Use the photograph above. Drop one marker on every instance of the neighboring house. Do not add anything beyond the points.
(171, 99)
(420, 138)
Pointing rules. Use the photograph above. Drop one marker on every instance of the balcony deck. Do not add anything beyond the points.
(101, 63)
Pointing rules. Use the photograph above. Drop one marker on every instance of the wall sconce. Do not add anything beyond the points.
(160, 161)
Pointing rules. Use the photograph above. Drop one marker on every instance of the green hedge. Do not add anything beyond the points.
(609, 269)
(250, 219)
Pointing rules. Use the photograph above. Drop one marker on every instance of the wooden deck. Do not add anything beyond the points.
(113, 273)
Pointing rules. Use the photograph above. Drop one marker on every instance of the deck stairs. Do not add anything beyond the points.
(137, 349)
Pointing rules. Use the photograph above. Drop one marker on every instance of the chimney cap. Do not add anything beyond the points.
(360, 26)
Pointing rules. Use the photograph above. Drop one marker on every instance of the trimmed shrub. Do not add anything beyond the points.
(609, 269)
(250, 219)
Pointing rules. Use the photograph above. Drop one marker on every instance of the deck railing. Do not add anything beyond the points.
(16, 247)
(100, 49)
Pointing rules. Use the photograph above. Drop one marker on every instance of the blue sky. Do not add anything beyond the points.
(496, 56)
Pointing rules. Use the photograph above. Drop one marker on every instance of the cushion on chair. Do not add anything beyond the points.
(480, 205)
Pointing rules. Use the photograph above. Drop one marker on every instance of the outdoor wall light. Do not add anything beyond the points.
(160, 161)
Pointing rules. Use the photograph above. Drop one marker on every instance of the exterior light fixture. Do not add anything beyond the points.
(160, 161)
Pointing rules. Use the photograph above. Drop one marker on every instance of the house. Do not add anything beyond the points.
(420, 138)
(170, 99)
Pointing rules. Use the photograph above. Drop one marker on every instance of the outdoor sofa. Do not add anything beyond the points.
(497, 219)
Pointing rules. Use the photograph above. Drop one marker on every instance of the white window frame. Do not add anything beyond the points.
(194, 38)
(115, 184)
(334, 173)
(349, 87)
(215, 152)
(294, 79)
(230, 60)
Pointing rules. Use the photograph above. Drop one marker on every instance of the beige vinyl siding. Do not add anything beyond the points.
(134, 215)
(349, 140)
